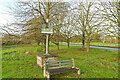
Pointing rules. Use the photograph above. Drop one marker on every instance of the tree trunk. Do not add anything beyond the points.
(88, 45)
(83, 41)
(68, 42)
(45, 45)
(83, 46)
(38, 43)
(48, 42)
(58, 41)
(58, 46)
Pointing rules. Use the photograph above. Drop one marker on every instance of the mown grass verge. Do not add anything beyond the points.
(98, 63)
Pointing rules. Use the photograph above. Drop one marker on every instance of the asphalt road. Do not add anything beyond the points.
(116, 49)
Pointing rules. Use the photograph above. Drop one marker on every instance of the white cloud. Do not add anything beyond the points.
(5, 16)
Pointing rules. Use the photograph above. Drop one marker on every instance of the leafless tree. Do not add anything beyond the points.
(69, 28)
(89, 20)
(111, 11)
(31, 14)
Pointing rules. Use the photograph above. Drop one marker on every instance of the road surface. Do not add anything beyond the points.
(116, 49)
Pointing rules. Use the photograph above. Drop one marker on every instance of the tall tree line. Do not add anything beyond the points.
(68, 19)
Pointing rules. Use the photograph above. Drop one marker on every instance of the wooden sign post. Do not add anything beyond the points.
(48, 29)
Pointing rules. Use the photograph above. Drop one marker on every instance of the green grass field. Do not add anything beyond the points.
(98, 63)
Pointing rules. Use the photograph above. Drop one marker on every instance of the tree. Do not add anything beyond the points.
(34, 31)
(93, 20)
(97, 37)
(69, 29)
(79, 17)
(111, 12)
(11, 39)
(58, 23)
(30, 14)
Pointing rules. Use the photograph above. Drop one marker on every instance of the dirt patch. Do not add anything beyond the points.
(54, 52)
(81, 49)
(102, 58)
(76, 58)
(107, 67)
(115, 59)
(97, 65)
(86, 54)
(30, 53)
(57, 51)
(83, 60)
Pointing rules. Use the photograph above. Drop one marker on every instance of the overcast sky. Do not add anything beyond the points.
(5, 16)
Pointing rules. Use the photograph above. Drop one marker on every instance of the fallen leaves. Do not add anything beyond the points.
(107, 67)
(86, 54)
(88, 74)
(30, 53)
(36, 74)
(115, 59)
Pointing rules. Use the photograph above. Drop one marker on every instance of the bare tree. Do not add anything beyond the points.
(80, 21)
(31, 14)
(111, 12)
(58, 23)
(91, 21)
(68, 29)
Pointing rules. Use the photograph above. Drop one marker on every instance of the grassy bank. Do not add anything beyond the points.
(98, 63)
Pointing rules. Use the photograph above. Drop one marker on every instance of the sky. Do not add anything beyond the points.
(5, 16)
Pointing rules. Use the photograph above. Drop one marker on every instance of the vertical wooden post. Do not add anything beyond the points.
(78, 71)
(44, 68)
(59, 64)
(37, 59)
(73, 63)
(48, 76)
(47, 37)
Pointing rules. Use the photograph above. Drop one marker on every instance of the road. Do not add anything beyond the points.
(116, 49)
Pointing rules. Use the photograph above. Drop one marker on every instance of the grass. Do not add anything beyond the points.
(98, 63)
(12, 46)
(8, 46)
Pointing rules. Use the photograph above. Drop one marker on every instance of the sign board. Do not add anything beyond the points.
(50, 59)
(48, 30)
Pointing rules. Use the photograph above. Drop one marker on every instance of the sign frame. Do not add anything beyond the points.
(46, 30)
